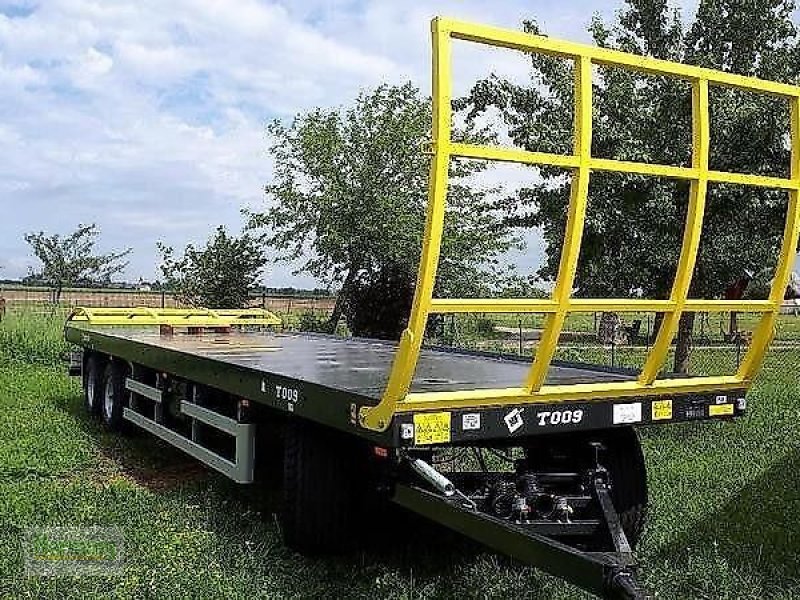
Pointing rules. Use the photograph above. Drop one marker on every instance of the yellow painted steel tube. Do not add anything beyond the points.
(691, 236)
(574, 227)
(405, 361)
(764, 332)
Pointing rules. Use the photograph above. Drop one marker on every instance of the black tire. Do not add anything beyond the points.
(114, 396)
(93, 383)
(322, 469)
(623, 459)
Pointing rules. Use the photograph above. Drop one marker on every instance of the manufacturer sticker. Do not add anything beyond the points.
(721, 399)
(431, 428)
(406, 431)
(720, 410)
(662, 410)
(627, 413)
(514, 420)
(471, 421)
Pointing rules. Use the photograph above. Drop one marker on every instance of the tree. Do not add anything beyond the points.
(634, 224)
(219, 275)
(70, 260)
(349, 192)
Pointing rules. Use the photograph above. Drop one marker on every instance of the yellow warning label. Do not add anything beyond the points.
(720, 410)
(662, 410)
(432, 428)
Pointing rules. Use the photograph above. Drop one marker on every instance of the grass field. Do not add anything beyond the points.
(725, 502)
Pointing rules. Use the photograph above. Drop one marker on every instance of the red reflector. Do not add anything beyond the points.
(382, 452)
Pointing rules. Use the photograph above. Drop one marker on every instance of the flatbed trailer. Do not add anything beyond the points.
(552, 473)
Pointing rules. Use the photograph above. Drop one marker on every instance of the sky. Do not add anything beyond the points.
(148, 117)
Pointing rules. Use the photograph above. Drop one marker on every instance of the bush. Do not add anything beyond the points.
(378, 306)
(33, 337)
(309, 321)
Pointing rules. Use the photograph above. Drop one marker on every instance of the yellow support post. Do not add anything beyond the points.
(764, 332)
(405, 361)
(701, 140)
(573, 234)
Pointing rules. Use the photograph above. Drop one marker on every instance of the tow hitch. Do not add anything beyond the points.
(564, 523)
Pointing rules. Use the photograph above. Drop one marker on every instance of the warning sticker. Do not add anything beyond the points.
(662, 410)
(432, 428)
(720, 410)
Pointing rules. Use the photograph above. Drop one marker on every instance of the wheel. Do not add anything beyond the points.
(624, 461)
(114, 396)
(93, 383)
(621, 456)
(321, 492)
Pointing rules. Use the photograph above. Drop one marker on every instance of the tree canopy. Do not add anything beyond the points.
(71, 259)
(221, 274)
(348, 198)
(634, 224)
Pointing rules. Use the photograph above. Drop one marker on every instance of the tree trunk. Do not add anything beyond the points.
(656, 326)
(733, 328)
(683, 343)
(338, 307)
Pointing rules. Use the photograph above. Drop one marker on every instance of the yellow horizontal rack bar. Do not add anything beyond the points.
(507, 305)
(175, 317)
(581, 164)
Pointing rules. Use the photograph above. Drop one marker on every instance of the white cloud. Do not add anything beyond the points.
(148, 117)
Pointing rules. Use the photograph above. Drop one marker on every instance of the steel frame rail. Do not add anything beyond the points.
(397, 396)
(175, 317)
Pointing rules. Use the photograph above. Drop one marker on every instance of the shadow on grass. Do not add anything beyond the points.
(155, 465)
(395, 549)
(756, 530)
(135, 455)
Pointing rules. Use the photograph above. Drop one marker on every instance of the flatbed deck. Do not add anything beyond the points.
(329, 379)
(360, 366)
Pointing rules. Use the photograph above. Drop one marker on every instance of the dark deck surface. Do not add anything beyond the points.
(357, 365)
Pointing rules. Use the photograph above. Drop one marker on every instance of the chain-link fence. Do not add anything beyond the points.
(295, 310)
(719, 341)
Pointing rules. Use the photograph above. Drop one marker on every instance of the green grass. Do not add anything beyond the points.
(723, 517)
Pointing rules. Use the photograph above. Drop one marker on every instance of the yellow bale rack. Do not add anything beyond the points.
(397, 397)
(174, 317)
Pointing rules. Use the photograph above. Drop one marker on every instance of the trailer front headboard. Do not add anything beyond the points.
(581, 163)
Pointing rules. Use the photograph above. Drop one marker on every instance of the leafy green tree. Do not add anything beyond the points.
(518, 286)
(71, 260)
(634, 224)
(221, 274)
(349, 192)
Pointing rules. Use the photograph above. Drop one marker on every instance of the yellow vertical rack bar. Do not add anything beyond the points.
(701, 137)
(573, 234)
(764, 332)
(405, 361)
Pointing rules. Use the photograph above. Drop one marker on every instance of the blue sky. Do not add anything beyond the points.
(148, 117)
